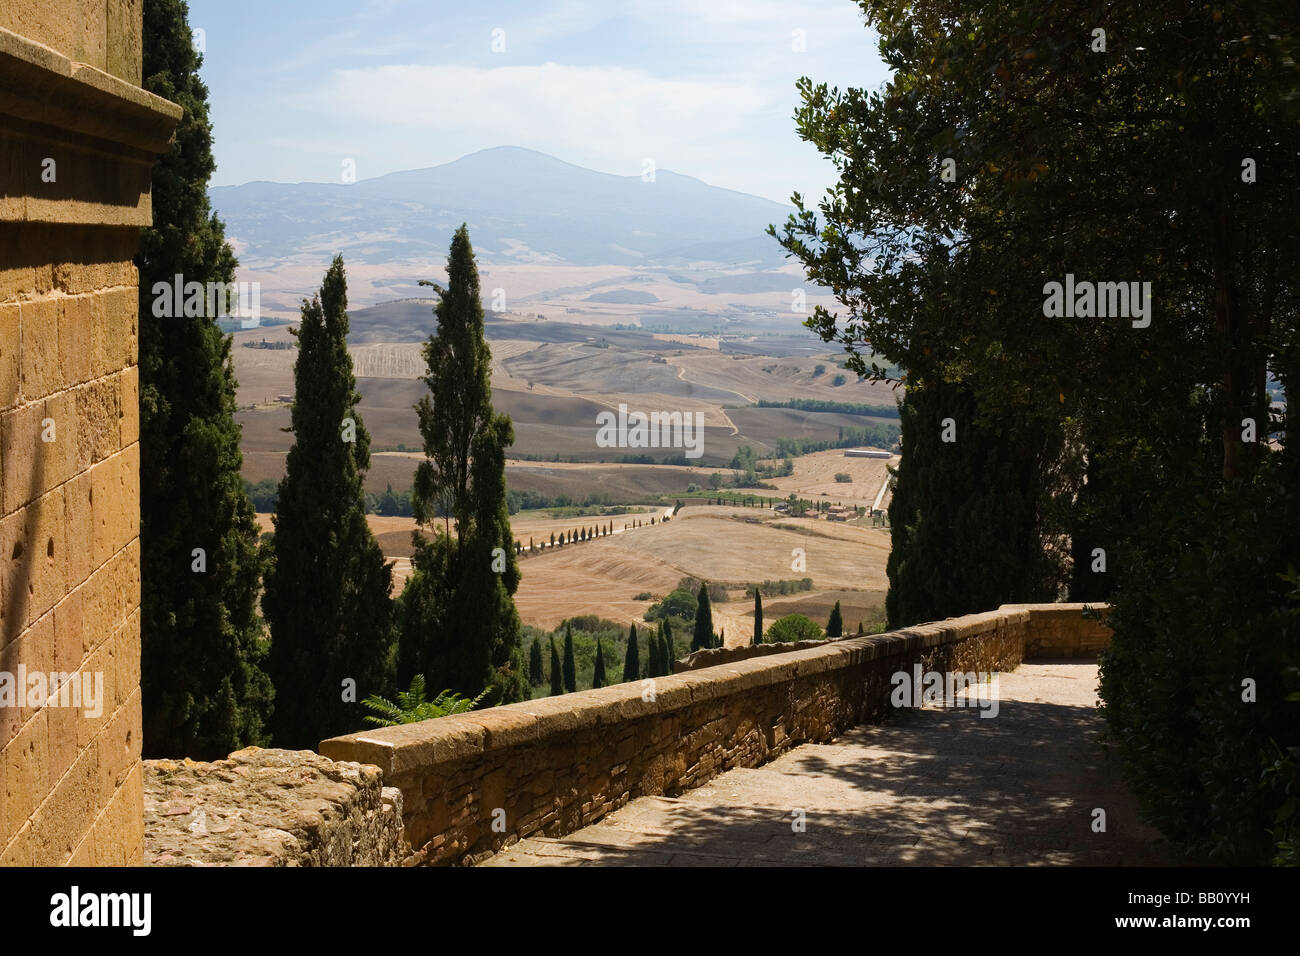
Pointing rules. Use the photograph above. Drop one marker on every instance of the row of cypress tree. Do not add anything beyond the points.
(211, 680)
(660, 654)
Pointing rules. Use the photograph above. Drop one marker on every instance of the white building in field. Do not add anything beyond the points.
(866, 453)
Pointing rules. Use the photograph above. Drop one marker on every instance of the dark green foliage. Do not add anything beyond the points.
(703, 635)
(598, 679)
(204, 690)
(793, 627)
(459, 623)
(327, 584)
(557, 672)
(1142, 422)
(536, 672)
(758, 616)
(570, 671)
(786, 586)
(679, 603)
(654, 666)
(670, 644)
(632, 660)
(1209, 768)
(964, 522)
(843, 408)
(263, 494)
(835, 626)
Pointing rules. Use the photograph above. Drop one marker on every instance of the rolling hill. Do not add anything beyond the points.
(522, 206)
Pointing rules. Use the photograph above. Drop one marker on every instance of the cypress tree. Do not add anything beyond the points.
(461, 629)
(570, 668)
(327, 585)
(536, 673)
(703, 636)
(758, 617)
(835, 626)
(598, 677)
(204, 690)
(861, 629)
(632, 660)
(670, 648)
(557, 672)
(654, 655)
(964, 522)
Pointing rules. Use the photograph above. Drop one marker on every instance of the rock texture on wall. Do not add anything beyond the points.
(1065, 630)
(476, 782)
(270, 808)
(78, 139)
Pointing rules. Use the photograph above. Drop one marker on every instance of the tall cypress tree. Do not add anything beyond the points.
(204, 690)
(598, 677)
(570, 667)
(557, 672)
(835, 626)
(703, 636)
(653, 653)
(460, 626)
(758, 617)
(670, 644)
(965, 525)
(632, 660)
(536, 673)
(327, 585)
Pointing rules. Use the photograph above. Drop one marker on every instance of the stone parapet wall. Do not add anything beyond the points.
(476, 782)
(713, 656)
(77, 140)
(1065, 630)
(270, 808)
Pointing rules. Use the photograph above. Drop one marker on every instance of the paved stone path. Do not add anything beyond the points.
(931, 787)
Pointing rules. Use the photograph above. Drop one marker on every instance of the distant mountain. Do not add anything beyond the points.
(521, 206)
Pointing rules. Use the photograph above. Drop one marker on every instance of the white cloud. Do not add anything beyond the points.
(619, 115)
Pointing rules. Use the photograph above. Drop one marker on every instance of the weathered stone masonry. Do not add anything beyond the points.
(557, 764)
(270, 808)
(78, 138)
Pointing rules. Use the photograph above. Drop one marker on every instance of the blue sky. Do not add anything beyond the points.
(701, 87)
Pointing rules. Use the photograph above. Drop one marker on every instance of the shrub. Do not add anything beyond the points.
(793, 627)
(679, 603)
(844, 478)
(1208, 601)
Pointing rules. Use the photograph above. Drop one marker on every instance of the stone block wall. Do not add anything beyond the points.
(1065, 630)
(78, 138)
(270, 808)
(476, 782)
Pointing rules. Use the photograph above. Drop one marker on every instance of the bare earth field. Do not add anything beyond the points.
(814, 477)
(565, 353)
(713, 543)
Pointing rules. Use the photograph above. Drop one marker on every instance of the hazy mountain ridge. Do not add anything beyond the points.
(521, 206)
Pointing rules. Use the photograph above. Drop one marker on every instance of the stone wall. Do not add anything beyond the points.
(270, 808)
(476, 782)
(77, 141)
(1065, 630)
(713, 656)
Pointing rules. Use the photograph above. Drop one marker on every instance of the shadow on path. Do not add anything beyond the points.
(930, 787)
